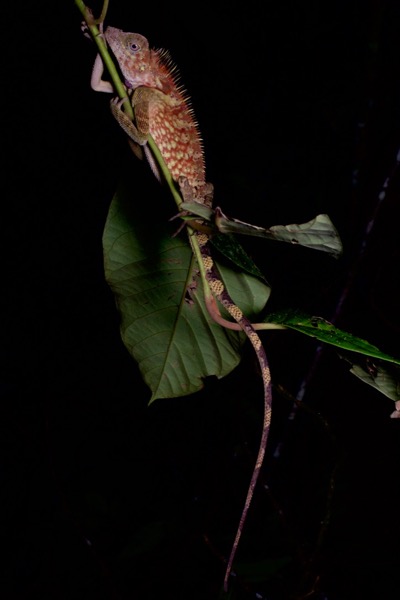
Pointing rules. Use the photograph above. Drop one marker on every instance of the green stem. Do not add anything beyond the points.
(103, 13)
(87, 13)
(98, 39)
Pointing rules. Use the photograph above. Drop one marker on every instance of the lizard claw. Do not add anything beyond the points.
(90, 21)
(396, 413)
(85, 30)
(118, 102)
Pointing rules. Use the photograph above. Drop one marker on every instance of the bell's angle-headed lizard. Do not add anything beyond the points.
(162, 110)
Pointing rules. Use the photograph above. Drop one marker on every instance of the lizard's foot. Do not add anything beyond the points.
(203, 193)
(85, 30)
(90, 21)
(187, 191)
(195, 194)
(125, 122)
(396, 413)
(117, 103)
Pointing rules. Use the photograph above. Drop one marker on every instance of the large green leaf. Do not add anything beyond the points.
(164, 323)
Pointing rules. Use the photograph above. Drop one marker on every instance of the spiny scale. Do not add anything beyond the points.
(171, 121)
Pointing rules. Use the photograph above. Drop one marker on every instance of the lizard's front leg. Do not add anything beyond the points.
(136, 134)
(96, 82)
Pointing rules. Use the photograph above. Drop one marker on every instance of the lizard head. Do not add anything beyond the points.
(134, 57)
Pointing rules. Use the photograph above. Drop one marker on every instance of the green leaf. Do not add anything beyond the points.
(164, 322)
(197, 209)
(317, 234)
(324, 331)
(230, 248)
(246, 291)
(384, 379)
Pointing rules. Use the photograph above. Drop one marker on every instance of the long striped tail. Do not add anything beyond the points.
(218, 289)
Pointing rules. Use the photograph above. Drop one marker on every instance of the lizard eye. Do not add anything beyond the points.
(134, 47)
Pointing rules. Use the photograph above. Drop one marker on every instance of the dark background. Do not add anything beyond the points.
(104, 497)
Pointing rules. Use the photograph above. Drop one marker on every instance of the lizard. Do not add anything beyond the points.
(162, 110)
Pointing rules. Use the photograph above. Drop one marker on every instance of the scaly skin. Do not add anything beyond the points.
(161, 107)
(162, 110)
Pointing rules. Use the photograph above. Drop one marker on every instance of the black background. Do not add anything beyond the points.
(104, 497)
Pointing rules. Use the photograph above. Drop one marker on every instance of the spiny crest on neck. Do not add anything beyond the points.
(168, 73)
(142, 65)
(170, 80)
